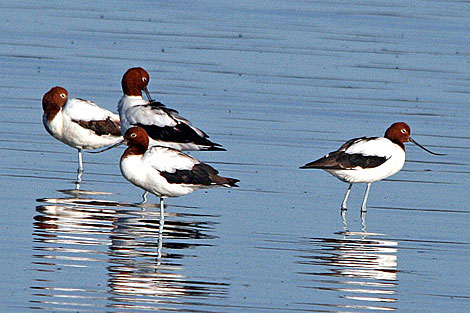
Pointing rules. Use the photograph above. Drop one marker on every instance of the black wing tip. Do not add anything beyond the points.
(214, 148)
(232, 182)
(207, 145)
(310, 165)
(321, 165)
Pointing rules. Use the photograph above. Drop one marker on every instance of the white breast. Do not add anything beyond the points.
(379, 147)
(143, 175)
(63, 128)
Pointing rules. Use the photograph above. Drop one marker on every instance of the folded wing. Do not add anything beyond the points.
(356, 153)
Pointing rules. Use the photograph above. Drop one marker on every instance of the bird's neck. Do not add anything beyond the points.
(131, 91)
(51, 111)
(134, 150)
(399, 143)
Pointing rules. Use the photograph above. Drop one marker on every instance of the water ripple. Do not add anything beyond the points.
(142, 259)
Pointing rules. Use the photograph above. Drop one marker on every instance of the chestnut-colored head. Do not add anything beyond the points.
(398, 133)
(136, 137)
(53, 100)
(57, 96)
(134, 81)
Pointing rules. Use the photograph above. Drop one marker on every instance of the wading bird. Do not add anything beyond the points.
(79, 123)
(367, 159)
(164, 171)
(164, 126)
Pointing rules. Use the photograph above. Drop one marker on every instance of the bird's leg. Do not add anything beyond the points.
(80, 169)
(343, 205)
(162, 213)
(160, 241)
(363, 207)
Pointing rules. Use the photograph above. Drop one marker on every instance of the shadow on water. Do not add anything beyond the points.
(359, 267)
(81, 243)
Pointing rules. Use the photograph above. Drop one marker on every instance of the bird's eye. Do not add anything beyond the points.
(403, 130)
(62, 95)
(133, 135)
(144, 79)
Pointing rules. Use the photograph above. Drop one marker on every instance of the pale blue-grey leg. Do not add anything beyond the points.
(343, 205)
(363, 207)
(80, 169)
(160, 241)
(162, 211)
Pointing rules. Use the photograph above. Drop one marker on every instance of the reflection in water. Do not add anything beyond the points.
(359, 267)
(141, 271)
(92, 253)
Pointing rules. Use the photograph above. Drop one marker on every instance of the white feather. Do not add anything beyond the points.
(381, 147)
(140, 171)
(134, 110)
(64, 128)
(168, 160)
(83, 110)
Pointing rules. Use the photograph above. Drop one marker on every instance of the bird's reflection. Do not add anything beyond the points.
(142, 259)
(141, 266)
(360, 267)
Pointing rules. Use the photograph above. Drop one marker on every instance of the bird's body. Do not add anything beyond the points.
(79, 123)
(167, 172)
(363, 160)
(82, 124)
(164, 126)
(367, 159)
(164, 171)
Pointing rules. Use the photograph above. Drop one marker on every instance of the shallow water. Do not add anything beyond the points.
(278, 84)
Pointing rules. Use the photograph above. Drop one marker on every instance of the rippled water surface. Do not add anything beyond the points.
(279, 84)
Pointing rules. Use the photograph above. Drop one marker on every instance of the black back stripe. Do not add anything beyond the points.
(350, 142)
(103, 127)
(180, 133)
(339, 160)
(346, 160)
(200, 174)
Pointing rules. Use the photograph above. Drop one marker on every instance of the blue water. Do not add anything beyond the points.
(279, 84)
